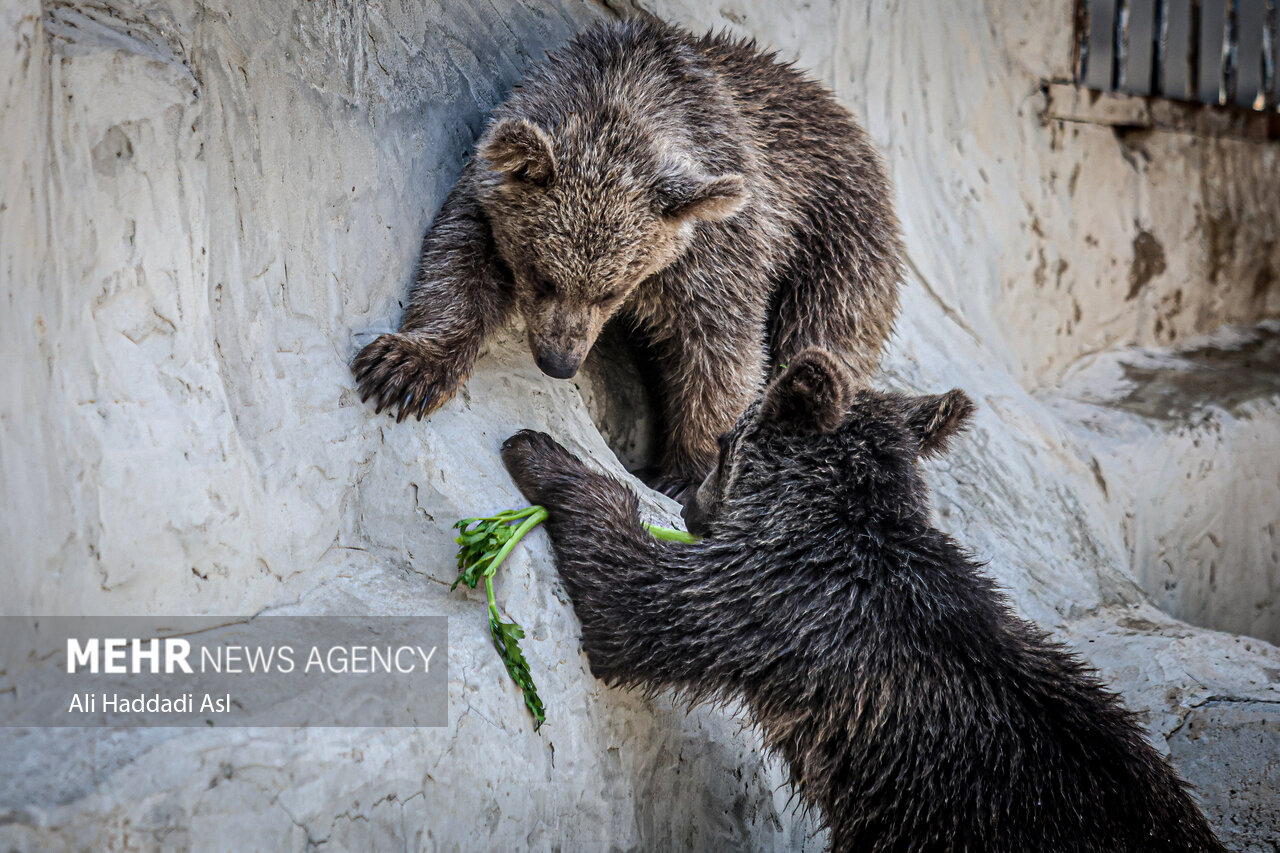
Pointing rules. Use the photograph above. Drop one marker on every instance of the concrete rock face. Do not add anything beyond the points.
(205, 208)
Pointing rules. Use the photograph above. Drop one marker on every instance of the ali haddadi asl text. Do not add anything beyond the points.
(115, 703)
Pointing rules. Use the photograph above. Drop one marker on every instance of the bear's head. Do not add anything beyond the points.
(582, 217)
(816, 444)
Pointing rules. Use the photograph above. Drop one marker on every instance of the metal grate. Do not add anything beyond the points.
(1211, 51)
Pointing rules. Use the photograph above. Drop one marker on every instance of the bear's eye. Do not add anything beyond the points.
(608, 297)
(543, 286)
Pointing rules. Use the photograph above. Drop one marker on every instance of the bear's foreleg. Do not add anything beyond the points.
(639, 627)
(839, 288)
(461, 294)
(711, 373)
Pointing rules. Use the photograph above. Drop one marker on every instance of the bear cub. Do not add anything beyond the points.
(713, 198)
(914, 709)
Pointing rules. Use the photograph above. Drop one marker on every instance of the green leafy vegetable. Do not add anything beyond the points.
(506, 639)
(670, 534)
(483, 543)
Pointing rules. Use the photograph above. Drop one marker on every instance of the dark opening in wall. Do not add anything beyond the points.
(618, 388)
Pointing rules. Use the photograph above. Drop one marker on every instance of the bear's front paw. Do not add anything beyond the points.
(405, 374)
(538, 463)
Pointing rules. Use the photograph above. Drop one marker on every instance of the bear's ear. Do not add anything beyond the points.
(811, 396)
(935, 418)
(520, 150)
(683, 197)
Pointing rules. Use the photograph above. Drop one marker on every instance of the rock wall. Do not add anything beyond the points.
(206, 207)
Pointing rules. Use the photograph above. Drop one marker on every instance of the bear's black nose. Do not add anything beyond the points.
(559, 366)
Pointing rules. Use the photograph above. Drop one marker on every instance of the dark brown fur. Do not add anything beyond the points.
(912, 706)
(697, 188)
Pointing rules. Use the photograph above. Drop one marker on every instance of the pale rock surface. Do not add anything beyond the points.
(206, 207)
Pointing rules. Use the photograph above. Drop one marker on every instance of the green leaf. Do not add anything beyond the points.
(483, 543)
(506, 638)
(471, 576)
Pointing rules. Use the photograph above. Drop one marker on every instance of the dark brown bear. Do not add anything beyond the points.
(716, 199)
(913, 708)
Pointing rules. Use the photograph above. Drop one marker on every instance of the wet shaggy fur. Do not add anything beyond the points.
(914, 709)
(714, 198)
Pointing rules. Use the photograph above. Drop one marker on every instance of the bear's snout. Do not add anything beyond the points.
(695, 519)
(559, 365)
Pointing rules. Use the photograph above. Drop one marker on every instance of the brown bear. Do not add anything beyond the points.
(914, 709)
(714, 198)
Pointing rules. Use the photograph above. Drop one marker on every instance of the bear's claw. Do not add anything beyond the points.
(400, 374)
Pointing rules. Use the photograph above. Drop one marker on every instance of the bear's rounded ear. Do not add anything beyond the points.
(682, 196)
(812, 395)
(935, 418)
(520, 150)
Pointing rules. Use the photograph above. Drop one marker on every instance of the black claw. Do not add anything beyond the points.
(428, 399)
